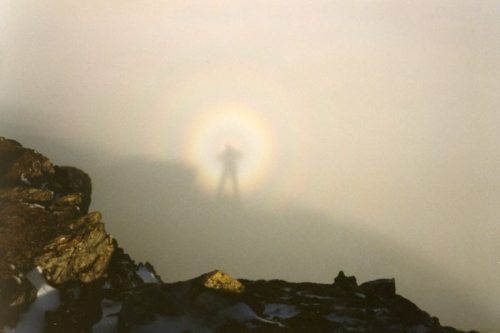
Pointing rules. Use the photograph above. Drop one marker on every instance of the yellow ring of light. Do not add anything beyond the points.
(243, 129)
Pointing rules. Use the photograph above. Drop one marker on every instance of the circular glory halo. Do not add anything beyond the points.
(243, 129)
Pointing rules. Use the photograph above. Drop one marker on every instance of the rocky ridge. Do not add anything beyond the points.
(61, 272)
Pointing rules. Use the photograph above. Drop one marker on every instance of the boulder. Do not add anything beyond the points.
(80, 252)
(380, 287)
(221, 281)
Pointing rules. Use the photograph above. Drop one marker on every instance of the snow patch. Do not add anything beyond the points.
(242, 313)
(304, 294)
(360, 295)
(283, 311)
(109, 319)
(25, 180)
(106, 325)
(146, 275)
(36, 206)
(343, 319)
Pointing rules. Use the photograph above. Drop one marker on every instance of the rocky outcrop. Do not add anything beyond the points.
(381, 287)
(45, 224)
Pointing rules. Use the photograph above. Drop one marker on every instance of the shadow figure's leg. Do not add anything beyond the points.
(236, 189)
(222, 182)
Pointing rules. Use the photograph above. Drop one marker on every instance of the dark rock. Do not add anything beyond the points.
(22, 166)
(22, 236)
(122, 271)
(16, 295)
(380, 287)
(345, 283)
(69, 180)
(311, 321)
(80, 309)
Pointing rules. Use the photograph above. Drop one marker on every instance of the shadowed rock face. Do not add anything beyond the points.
(44, 223)
(69, 180)
(19, 165)
(16, 294)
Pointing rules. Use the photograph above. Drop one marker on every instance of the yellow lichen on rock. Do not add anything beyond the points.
(222, 281)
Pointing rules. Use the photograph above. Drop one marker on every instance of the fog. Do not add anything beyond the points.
(369, 133)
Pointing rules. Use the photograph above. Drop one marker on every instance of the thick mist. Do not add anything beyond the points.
(383, 117)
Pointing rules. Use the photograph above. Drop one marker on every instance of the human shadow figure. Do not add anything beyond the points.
(229, 159)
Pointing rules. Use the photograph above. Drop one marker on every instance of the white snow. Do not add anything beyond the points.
(303, 294)
(146, 275)
(283, 311)
(24, 179)
(109, 319)
(106, 325)
(36, 206)
(239, 312)
(33, 321)
(242, 312)
(343, 319)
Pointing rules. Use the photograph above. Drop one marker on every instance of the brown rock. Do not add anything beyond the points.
(10, 150)
(24, 228)
(67, 207)
(81, 253)
(43, 219)
(29, 168)
(25, 194)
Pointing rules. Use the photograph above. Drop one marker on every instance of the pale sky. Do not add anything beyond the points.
(380, 114)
